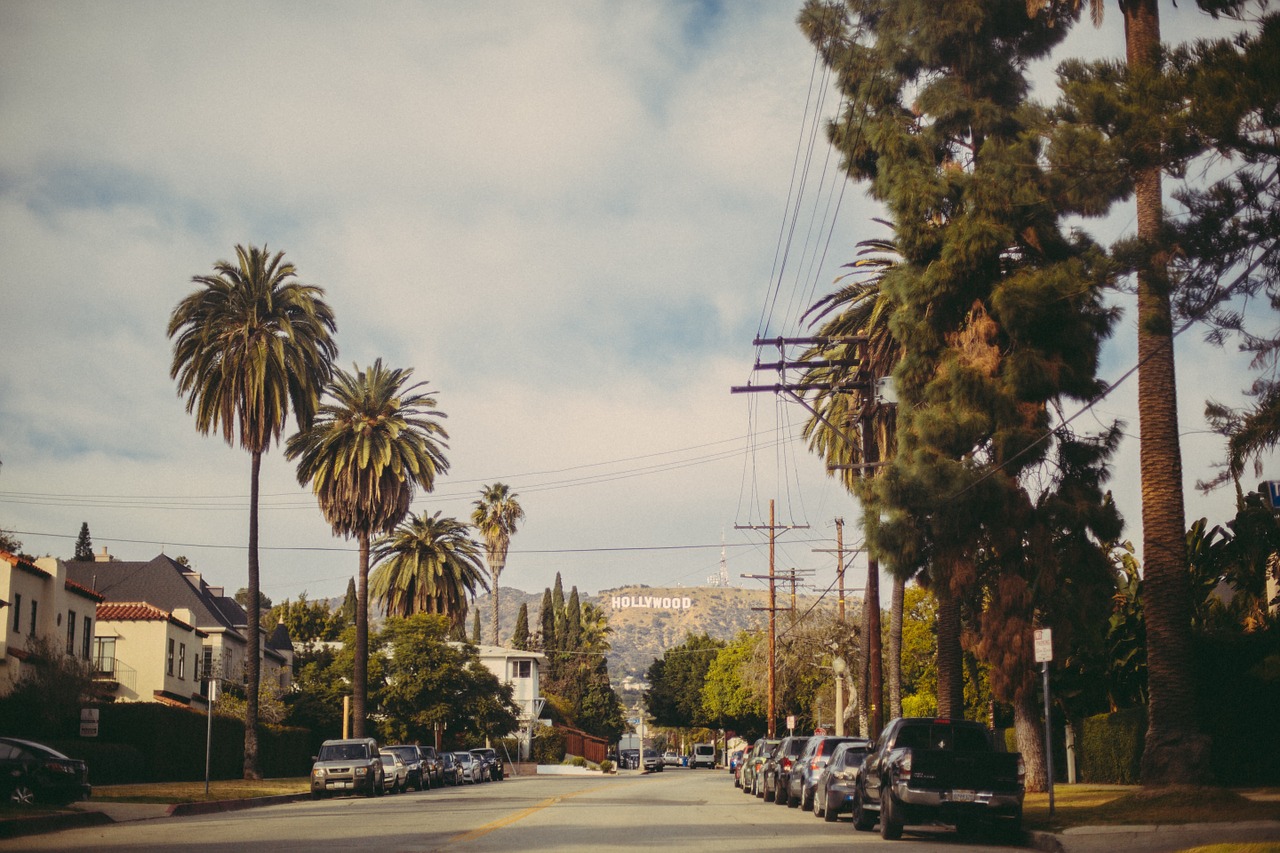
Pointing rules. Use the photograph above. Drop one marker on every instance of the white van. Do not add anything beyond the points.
(704, 754)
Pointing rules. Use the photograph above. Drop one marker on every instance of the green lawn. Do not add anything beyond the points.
(1094, 805)
(193, 792)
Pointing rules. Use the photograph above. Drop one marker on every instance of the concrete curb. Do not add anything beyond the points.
(185, 809)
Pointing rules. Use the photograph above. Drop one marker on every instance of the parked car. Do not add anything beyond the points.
(450, 772)
(833, 793)
(735, 762)
(490, 757)
(415, 764)
(432, 766)
(670, 758)
(704, 755)
(753, 763)
(937, 770)
(652, 762)
(777, 769)
(395, 775)
(352, 765)
(471, 769)
(32, 772)
(803, 780)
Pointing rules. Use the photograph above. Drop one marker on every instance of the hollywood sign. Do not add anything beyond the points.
(625, 602)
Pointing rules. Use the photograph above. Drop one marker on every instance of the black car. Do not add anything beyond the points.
(31, 772)
(450, 772)
(431, 767)
(490, 756)
(777, 770)
(415, 762)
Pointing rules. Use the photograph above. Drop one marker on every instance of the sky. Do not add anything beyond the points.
(570, 218)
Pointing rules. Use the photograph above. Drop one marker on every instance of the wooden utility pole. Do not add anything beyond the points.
(840, 563)
(772, 577)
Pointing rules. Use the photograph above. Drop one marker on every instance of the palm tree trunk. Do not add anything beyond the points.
(360, 668)
(496, 568)
(950, 659)
(895, 647)
(1175, 751)
(253, 663)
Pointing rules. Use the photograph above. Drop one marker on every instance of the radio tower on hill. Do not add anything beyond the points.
(721, 579)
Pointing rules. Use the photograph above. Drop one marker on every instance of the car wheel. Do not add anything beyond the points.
(22, 795)
(787, 799)
(863, 820)
(890, 824)
(807, 800)
(830, 813)
(316, 795)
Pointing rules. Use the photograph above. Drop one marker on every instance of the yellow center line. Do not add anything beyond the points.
(482, 831)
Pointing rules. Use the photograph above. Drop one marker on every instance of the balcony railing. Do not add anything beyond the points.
(114, 674)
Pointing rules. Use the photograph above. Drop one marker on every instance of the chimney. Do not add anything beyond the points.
(104, 557)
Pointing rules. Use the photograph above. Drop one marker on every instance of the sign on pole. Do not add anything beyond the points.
(1271, 488)
(1044, 644)
(88, 722)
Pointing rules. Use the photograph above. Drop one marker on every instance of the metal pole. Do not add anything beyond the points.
(208, 737)
(1048, 731)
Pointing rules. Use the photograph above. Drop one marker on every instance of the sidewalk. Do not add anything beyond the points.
(1166, 838)
(99, 812)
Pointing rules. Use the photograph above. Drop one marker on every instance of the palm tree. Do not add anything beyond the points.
(1175, 751)
(250, 346)
(428, 564)
(496, 515)
(861, 308)
(368, 449)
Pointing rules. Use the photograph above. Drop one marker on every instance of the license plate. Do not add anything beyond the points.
(342, 784)
(963, 796)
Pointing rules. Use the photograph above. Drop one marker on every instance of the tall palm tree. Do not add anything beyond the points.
(252, 345)
(496, 515)
(428, 564)
(861, 308)
(378, 440)
(1175, 751)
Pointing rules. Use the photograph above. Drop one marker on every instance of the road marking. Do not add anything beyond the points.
(482, 831)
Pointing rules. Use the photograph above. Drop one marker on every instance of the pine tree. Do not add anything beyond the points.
(999, 313)
(84, 545)
(520, 637)
(347, 613)
(547, 621)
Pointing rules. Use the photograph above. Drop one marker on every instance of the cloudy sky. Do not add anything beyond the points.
(567, 217)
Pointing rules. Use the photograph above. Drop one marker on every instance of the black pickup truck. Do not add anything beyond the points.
(928, 770)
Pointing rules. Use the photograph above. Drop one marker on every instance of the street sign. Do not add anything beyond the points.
(1271, 488)
(1044, 645)
(88, 722)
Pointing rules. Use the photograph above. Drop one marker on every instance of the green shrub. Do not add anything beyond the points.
(548, 747)
(1111, 747)
(606, 766)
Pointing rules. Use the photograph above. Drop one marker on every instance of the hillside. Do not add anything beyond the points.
(646, 621)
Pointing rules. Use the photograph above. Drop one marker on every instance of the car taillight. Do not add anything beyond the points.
(56, 766)
(786, 764)
(1022, 771)
(904, 768)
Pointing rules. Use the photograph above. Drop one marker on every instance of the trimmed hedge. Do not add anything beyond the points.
(150, 742)
(1110, 749)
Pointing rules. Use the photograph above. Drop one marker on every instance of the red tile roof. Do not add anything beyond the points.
(139, 611)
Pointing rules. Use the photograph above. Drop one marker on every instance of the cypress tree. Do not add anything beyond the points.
(547, 621)
(573, 622)
(520, 637)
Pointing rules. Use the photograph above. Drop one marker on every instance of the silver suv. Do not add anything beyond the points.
(347, 766)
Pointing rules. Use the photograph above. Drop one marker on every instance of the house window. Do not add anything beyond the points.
(171, 655)
(104, 655)
(31, 629)
(206, 666)
(17, 614)
(182, 660)
(71, 632)
(87, 640)
(522, 669)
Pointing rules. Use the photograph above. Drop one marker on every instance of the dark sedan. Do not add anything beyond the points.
(419, 777)
(32, 772)
(838, 780)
